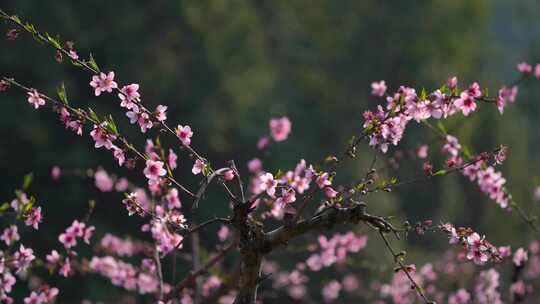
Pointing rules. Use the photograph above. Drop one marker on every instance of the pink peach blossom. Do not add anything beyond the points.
(103, 83)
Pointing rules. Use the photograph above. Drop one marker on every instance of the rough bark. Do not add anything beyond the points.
(255, 244)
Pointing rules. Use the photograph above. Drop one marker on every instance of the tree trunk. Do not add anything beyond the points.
(249, 276)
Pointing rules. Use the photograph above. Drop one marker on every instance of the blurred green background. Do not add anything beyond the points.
(227, 66)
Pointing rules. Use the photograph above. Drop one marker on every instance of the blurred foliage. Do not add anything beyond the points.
(227, 66)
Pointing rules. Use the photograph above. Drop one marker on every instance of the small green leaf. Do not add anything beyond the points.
(369, 128)
(441, 127)
(440, 173)
(54, 41)
(4, 207)
(27, 181)
(75, 63)
(111, 126)
(443, 89)
(147, 156)
(92, 62)
(93, 116)
(331, 159)
(360, 186)
(62, 95)
(27, 207)
(485, 92)
(91, 204)
(279, 174)
(30, 28)
(423, 94)
(466, 151)
(16, 19)
(206, 170)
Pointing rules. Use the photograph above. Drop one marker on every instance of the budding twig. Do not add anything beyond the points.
(398, 259)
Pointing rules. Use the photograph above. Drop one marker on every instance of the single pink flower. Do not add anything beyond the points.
(171, 159)
(330, 192)
(53, 258)
(263, 143)
(145, 123)
(331, 291)
(73, 55)
(67, 239)
(34, 218)
(50, 294)
(76, 228)
(500, 157)
(103, 83)
(12, 34)
(323, 180)
(474, 90)
(504, 251)
(524, 68)
(161, 113)
(223, 233)
(75, 126)
(34, 98)
(88, 234)
(154, 169)
(465, 103)
(462, 296)
(58, 56)
(228, 175)
(536, 194)
(254, 165)
(378, 88)
(23, 257)
(422, 151)
(56, 173)
(288, 196)
(4, 85)
(119, 155)
(122, 184)
(452, 145)
(129, 96)
(103, 181)
(268, 184)
(34, 298)
(427, 168)
(198, 167)
(101, 137)
(475, 242)
(185, 134)
(452, 82)
(10, 235)
(520, 257)
(65, 270)
(133, 116)
(280, 128)
(172, 199)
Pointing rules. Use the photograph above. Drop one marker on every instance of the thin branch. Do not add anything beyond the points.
(196, 263)
(158, 271)
(398, 259)
(208, 222)
(81, 114)
(192, 275)
(91, 69)
(324, 220)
